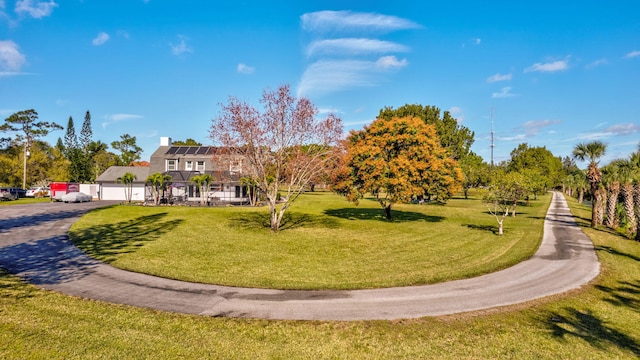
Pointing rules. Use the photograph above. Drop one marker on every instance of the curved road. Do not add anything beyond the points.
(34, 245)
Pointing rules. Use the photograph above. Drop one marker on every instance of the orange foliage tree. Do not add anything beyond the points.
(397, 160)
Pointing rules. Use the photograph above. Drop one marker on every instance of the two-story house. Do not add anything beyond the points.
(182, 163)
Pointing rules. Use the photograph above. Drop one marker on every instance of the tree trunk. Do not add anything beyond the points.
(601, 196)
(387, 212)
(500, 227)
(636, 201)
(627, 194)
(594, 205)
(612, 201)
(275, 224)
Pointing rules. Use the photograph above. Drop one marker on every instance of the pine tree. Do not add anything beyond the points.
(86, 134)
(72, 152)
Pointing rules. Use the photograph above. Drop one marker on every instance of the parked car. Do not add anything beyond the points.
(37, 191)
(8, 193)
(76, 197)
(11, 193)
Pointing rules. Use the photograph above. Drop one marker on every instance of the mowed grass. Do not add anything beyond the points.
(23, 201)
(598, 322)
(324, 243)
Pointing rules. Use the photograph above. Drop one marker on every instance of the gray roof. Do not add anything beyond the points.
(114, 172)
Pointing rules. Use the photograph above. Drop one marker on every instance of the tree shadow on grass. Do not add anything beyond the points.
(378, 214)
(491, 228)
(613, 251)
(291, 220)
(106, 242)
(625, 294)
(14, 288)
(588, 327)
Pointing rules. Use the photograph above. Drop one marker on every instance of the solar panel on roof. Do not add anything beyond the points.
(202, 150)
(192, 150)
(181, 150)
(172, 150)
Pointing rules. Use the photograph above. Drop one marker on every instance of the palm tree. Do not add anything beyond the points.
(611, 180)
(635, 161)
(127, 180)
(158, 182)
(628, 173)
(592, 152)
(580, 183)
(203, 181)
(252, 188)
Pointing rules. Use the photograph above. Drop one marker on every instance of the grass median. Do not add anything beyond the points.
(596, 322)
(324, 242)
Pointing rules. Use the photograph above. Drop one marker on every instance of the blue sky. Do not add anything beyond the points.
(555, 73)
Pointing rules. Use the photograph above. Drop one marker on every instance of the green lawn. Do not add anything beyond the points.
(598, 322)
(325, 243)
(24, 201)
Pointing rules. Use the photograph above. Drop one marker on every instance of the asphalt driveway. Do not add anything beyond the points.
(35, 246)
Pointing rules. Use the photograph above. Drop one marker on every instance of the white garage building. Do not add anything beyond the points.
(111, 189)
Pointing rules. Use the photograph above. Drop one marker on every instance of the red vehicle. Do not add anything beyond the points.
(57, 189)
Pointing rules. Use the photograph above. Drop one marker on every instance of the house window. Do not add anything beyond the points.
(188, 165)
(235, 166)
(199, 165)
(172, 164)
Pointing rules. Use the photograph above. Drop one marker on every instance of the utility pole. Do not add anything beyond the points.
(27, 153)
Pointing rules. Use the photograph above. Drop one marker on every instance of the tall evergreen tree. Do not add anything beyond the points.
(72, 152)
(86, 134)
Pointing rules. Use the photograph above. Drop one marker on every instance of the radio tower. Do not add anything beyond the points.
(492, 133)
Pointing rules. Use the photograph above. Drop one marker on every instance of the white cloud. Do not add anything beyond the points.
(348, 62)
(457, 113)
(499, 77)
(505, 92)
(116, 118)
(548, 67)
(322, 21)
(123, 34)
(518, 137)
(477, 41)
(597, 63)
(388, 62)
(11, 59)
(532, 128)
(244, 69)
(334, 75)
(354, 46)
(613, 130)
(322, 111)
(181, 47)
(632, 54)
(623, 129)
(100, 39)
(326, 76)
(35, 9)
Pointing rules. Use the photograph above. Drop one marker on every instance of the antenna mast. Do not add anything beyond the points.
(492, 133)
